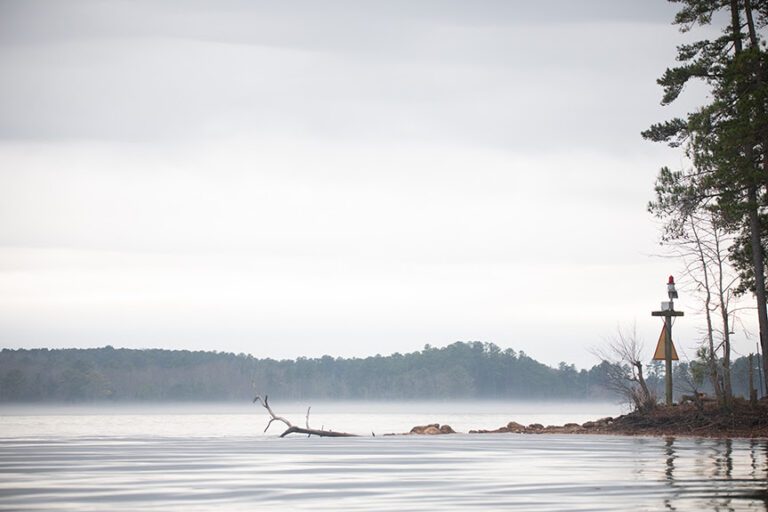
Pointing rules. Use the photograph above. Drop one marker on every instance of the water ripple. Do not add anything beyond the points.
(459, 472)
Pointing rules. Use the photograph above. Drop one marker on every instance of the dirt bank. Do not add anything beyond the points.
(708, 420)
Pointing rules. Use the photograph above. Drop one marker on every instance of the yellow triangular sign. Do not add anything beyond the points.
(659, 354)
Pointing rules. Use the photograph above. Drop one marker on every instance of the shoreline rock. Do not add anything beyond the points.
(742, 420)
(537, 428)
(432, 429)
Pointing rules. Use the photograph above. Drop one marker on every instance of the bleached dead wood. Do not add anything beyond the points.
(292, 429)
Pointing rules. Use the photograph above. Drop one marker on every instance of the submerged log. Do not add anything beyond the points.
(292, 429)
(315, 432)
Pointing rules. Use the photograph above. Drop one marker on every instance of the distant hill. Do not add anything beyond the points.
(460, 370)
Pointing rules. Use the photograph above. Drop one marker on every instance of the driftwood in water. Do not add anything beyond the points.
(315, 432)
(292, 429)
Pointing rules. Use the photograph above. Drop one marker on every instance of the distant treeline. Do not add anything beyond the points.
(460, 370)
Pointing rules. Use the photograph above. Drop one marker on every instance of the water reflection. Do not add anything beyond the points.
(458, 472)
(715, 474)
(669, 450)
(669, 472)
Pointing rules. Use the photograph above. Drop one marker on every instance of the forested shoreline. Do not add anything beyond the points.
(460, 370)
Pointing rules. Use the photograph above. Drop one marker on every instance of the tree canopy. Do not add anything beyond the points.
(726, 139)
(459, 370)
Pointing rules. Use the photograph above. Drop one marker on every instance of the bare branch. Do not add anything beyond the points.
(265, 403)
(624, 368)
(292, 429)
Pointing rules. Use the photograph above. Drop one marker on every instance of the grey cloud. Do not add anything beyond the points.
(212, 173)
(351, 24)
(480, 73)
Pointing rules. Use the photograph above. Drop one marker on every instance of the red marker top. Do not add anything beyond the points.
(671, 280)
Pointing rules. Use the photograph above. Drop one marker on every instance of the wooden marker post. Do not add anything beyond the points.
(668, 311)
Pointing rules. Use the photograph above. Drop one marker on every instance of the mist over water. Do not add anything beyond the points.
(245, 419)
(205, 456)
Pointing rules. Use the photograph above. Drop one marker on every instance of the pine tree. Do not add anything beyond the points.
(726, 140)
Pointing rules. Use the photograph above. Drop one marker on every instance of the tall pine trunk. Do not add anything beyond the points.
(758, 258)
(758, 262)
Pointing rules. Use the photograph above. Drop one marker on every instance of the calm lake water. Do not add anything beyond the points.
(207, 457)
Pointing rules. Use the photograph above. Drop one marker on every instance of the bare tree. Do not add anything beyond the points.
(703, 248)
(699, 272)
(622, 353)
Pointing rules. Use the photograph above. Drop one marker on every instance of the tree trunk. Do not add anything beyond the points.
(724, 313)
(758, 263)
(648, 401)
(758, 258)
(315, 432)
(714, 375)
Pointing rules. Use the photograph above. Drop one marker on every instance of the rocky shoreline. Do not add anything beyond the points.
(742, 419)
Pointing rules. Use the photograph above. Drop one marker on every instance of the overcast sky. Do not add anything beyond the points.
(333, 177)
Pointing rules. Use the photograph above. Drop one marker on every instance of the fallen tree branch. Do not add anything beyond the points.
(265, 403)
(294, 429)
(314, 432)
